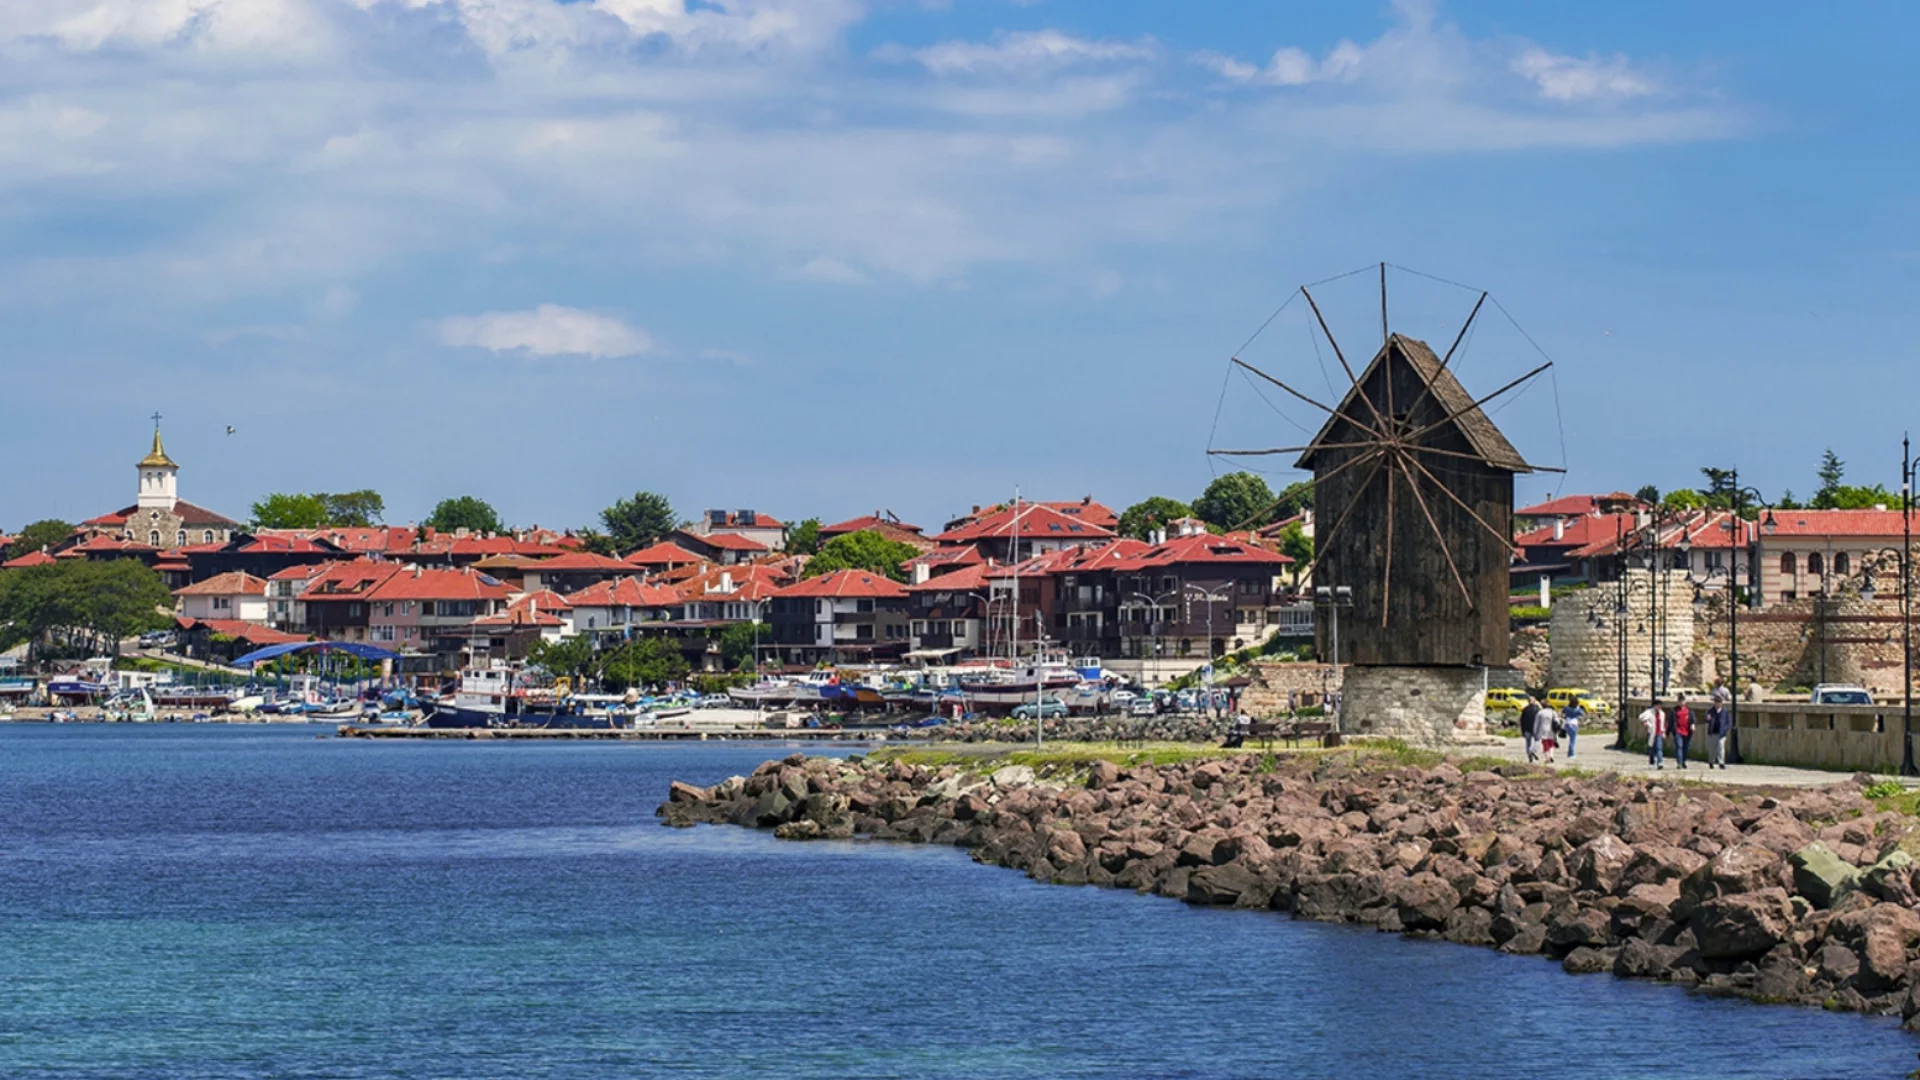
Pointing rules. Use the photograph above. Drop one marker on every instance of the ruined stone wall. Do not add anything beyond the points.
(1273, 680)
(1426, 706)
(1585, 635)
(1781, 646)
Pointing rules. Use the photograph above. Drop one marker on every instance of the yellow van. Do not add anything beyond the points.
(1560, 697)
(1503, 698)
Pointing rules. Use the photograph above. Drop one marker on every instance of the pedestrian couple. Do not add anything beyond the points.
(1543, 728)
(1679, 724)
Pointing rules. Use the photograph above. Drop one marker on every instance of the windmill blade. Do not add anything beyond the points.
(1354, 420)
(1425, 449)
(1505, 541)
(1463, 410)
(1378, 420)
(1445, 360)
(1293, 449)
(1311, 481)
(1414, 485)
(1386, 579)
(1320, 542)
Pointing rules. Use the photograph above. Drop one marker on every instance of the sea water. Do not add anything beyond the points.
(211, 902)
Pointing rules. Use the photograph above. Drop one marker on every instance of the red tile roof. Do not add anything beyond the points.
(31, 558)
(349, 580)
(1202, 548)
(958, 555)
(726, 541)
(581, 560)
(1577, 505)
(299, 572)
(1823, 523)
(231, 583)
(846, 584)
(542, 599)
(867, 523)
(965, 579)
(239, 630)
(754, 520)
(623, 592)
(749, 581)
(188, 513)
(104, 544)
(1036, 521)
(520, 617)
(437, 584)
(663, 553)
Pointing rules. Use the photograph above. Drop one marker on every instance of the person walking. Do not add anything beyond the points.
(1682, 730)
(1570, 718)
(1529, 717)
(1655, 722)
(1719, 726)
(1548, 725)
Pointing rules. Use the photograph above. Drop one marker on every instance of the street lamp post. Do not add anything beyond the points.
(1907, 466)
(1199, 593)
(1333, 598)
(1154, 604)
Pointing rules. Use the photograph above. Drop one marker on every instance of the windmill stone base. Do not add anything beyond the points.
(1424, 706)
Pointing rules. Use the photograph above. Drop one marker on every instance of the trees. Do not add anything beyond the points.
(862, 551)
(737, 644)
(642, 662)
(48, 533)
(804, 538)
(1831, 471)
(1649, 495)
(1140, 519)
(1295, 544)
(319, 510)
(572, 656)
(634, 523)
(283, 510)
(1235, 501)
(463, 512)
(102, 601)
(1835, 495)
(598, 543)
(361, 509)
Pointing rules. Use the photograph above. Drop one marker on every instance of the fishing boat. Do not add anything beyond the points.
(1011, 686)
(498, 696)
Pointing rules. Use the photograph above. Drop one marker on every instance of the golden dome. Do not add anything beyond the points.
(157, 457)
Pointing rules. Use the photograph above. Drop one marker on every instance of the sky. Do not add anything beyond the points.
(826, 257)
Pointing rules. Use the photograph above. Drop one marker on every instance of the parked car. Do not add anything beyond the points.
(1501, 698)
(1560, 697)
(1051, 708)
(1143, 707)
(1841, 694)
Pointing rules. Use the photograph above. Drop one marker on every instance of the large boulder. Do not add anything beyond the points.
(1821, 876)
(1598, 863)
(1656, 864)
(1233, 883)
(1744, 925)
(1741, 868)
(1891, 879)
(1581, 927)
(1880, 935)
(1424, 901)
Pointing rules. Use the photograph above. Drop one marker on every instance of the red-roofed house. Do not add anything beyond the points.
(31, 558)
(942, 561)
(618, 604)
(886, 525)
(721, 547)
(947, 615)
(1013, 532)
(284, 609)
(233, 595)
(573, 571)
(761, 529)
(664, 555)
(159, 518)
(335, 605)
(1568, 507)
(1200, 595)
(221, 640)
(433, 611)
(848, 615)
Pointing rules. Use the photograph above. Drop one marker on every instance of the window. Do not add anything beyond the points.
(1816, 565)
(426, 607)
(864, 606)
(153, 538)
(1788, 564)
(919, 626)
(386, 610)
(207, 537)
(863, 632)
(180, 538)
(383, 633)
(355, 611)
(1715, 559)
(222, 603)
(1841, 565)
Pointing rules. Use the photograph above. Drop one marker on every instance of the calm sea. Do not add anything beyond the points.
(201, 902)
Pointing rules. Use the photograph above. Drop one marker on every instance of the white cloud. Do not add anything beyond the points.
(831, 271)
(1570, 78)
(1022, 52)
(548, 330)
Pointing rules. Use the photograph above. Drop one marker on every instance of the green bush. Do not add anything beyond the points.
(1884, 789)
(1529, 612)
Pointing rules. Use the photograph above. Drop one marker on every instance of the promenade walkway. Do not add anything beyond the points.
(1595, 757)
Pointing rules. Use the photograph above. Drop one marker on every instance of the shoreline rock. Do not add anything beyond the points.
(1806, 897)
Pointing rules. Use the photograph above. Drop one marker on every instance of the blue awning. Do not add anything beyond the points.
(354, 648)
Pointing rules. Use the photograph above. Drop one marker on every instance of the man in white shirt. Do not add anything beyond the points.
(1654, 720)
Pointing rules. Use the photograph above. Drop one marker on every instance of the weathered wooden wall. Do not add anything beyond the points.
(1408, 608)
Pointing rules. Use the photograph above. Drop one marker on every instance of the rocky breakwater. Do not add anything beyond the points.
(1192, 727)
(1806, 897)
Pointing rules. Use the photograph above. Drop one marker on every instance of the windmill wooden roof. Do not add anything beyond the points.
(1451, 398)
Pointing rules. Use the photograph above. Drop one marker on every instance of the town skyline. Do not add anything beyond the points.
(762, 229)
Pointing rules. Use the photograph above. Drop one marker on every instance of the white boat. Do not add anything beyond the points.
(130, 707)
(1011, 686)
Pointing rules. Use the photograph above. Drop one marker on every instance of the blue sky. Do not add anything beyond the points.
(820, 257)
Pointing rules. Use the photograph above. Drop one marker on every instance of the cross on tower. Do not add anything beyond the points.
(156, 421)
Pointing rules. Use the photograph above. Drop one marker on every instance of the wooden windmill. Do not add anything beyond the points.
(1413, 489)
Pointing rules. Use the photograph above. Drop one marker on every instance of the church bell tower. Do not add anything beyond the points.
(159, 476)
